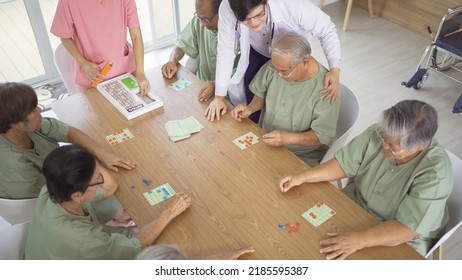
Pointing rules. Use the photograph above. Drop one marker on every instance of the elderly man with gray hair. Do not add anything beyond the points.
(398, 173)
(287, 89)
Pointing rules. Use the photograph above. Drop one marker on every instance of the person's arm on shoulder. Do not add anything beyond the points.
(325, 172)
(149, 233)
(90, 69)
(109, 159)
(138, 51)
(169, 69)
(390, 233)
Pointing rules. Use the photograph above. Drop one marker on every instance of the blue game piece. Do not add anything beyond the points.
(132, 187)
(282, 226)
(164, 198)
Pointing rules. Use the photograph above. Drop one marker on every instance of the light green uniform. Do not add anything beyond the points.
(199, 42)
(21, 169)
(56, 234)
(413, 193)
(297, 107)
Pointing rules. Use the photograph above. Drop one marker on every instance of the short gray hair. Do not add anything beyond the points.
(291, 43)
(413, 121)
(161, 252)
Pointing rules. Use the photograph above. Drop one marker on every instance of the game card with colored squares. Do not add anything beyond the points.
(180, 84)
(159, 194)
(318, 214)
(246, 140)
(119, 136)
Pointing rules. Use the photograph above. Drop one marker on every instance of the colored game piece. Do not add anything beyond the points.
(119, 136)
(132, 187)
(318, 214)
(282, 226)
(246, 140)
(102, 73)
(182, 83)
(159, 194)
(146, 182)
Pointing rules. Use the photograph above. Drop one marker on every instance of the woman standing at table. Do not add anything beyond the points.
(95, 33)
(398, 173)
(65, 224)
(247, 27)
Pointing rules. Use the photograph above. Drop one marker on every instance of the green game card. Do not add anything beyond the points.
(129, 83)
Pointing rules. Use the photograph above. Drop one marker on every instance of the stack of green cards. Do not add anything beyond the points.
(181, 129)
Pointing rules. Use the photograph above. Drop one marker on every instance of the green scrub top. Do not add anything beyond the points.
(21, 169)
(297, 107)
(56, 234)
(413, 193)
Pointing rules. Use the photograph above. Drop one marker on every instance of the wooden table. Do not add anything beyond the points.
(235, 200)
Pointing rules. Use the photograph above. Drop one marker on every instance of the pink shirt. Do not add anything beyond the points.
(100, 33)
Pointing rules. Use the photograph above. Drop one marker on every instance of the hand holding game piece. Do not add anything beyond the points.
(169, 69)
(289, 181)
(241, 112)
(112, 160)
(91, 71)
(102, 73)
(276, 138)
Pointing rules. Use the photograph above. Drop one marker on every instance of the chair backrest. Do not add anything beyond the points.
(13, 241)
(455, 210)
(348, 116)
(63, 61)
(192, 64)
(17, 211)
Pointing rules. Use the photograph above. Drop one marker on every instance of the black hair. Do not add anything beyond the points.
(17, 100)
(242, 8)
(67, 170)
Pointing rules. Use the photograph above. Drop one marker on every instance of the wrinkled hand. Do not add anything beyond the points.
(169, 69)
(232, 255)
(331, 85)
(143, 83)
(276, 138)
(341, 245)
(181, 202)
(207, 91)
(216, 108)
(91, 71)
(241, 112)
(289, 181)
(112, 160)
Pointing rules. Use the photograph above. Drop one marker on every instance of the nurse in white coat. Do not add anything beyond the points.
(247, 28)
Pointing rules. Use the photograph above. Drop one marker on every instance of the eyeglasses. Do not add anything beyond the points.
(282, 73)
(394, 153)
(99, 183)
(205, 19)
(257, 16)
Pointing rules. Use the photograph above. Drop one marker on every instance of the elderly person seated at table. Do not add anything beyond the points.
(172, 252)
(287, 89)
(26, 139)
(65, 224)
(397, 172)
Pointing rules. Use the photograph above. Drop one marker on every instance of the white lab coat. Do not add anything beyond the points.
(299, 16)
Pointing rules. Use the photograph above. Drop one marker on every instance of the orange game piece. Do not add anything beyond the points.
(103, 72)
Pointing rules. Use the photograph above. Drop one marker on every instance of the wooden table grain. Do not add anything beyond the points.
(235, 200)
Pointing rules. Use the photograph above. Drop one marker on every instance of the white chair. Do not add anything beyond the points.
(452, 240)
(348, 116)
(192, 64)
(63, 61)
(13, 240)
(17, 211)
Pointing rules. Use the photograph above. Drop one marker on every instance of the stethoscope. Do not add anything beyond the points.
(237, 49)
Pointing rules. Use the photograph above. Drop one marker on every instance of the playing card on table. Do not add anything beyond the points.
(318, 214)
(180, 84)
(246, 140)
(159, 194)
(119, 136)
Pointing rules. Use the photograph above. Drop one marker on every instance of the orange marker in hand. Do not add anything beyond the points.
(102, 73)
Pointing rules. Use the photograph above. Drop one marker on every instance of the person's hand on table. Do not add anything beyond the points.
(242, 111)
(340, 245)
(216, 108)
(232, 255)
(143, 83)
(181, 202)
(91, 71)
(112, 160)
(331, 85)
(207, 91)
(169, 69)
(289, 181)
(276, 138)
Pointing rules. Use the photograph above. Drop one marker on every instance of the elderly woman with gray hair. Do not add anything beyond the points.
(397, 172)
